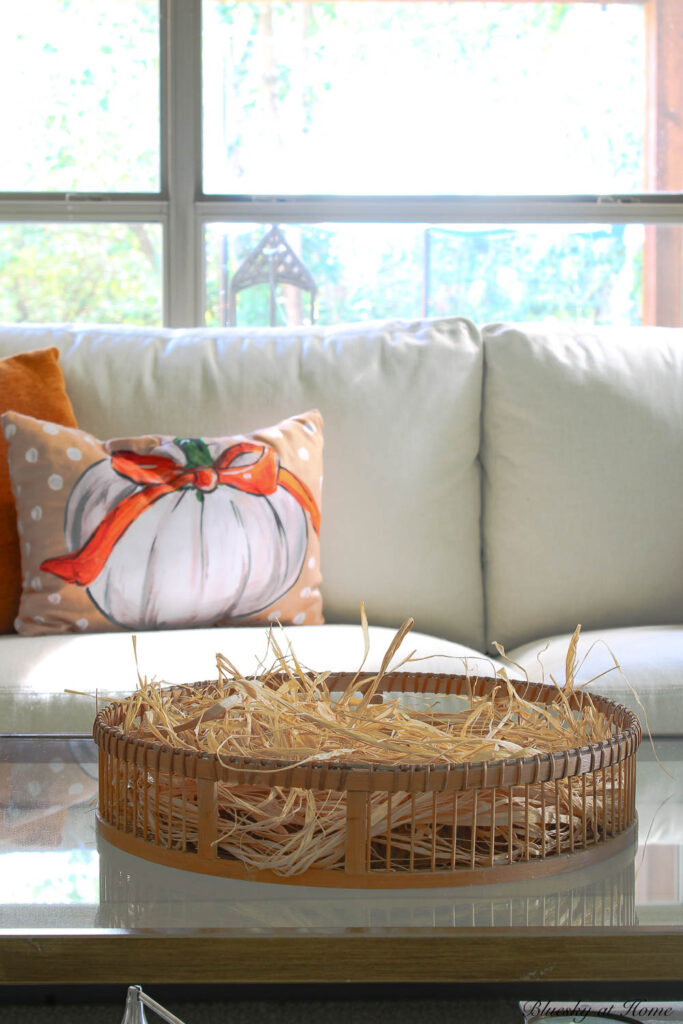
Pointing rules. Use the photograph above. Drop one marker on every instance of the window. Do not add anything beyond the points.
(495, 160)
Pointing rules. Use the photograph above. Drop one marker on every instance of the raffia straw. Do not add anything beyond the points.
(572, 670)
(289, 714)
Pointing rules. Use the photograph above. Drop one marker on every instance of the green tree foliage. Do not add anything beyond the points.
(589, 275)
(85, 78)
(106, 273)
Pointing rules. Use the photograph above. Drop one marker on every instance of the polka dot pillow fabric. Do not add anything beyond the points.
(160, 532)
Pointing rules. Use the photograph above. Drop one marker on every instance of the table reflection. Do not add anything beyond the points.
(55, 871)
(140, 894)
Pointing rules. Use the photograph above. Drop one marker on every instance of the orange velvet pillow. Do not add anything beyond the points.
(30, 383)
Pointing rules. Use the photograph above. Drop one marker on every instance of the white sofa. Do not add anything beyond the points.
(496, 485)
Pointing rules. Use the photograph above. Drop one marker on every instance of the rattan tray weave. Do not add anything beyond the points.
(407, 826)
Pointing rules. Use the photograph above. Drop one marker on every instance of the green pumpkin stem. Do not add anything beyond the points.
(195, 451)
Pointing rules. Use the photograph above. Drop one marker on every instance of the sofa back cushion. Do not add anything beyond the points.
(583, 466)
(401, 403)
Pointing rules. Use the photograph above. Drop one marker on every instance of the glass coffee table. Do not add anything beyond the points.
(74, 909)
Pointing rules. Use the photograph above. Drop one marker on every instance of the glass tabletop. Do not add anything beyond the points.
(56, 873)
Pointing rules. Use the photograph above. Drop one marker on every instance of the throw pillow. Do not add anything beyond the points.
(31, 383)
(166, 532)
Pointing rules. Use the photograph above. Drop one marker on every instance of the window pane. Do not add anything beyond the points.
(106, 273)
(406, 97)
(590, 274)
(81, 85)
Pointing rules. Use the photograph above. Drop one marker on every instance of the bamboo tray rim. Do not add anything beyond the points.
(364, 776)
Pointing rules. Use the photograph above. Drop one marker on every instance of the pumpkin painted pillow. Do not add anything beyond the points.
(162, 532)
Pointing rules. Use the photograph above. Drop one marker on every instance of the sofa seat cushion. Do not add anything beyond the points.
(651, 660)
(37, 670)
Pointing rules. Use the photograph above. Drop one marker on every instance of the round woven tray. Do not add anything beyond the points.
(407, 826)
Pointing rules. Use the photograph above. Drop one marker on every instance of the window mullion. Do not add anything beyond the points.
(445, 209)
(49, 208)
(181, 141)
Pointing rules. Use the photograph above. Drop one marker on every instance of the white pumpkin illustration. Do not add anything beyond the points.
(186, 535)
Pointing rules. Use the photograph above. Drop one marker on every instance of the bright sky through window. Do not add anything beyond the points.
(423, 98)
(80, 82)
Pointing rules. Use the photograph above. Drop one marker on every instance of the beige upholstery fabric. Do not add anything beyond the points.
(401, 405)
(583, 479)
(649, 681)
(36, 671)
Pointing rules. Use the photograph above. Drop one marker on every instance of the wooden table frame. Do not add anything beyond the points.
(492, 956)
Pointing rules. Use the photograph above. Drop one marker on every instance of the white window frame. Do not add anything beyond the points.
(183, 210)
